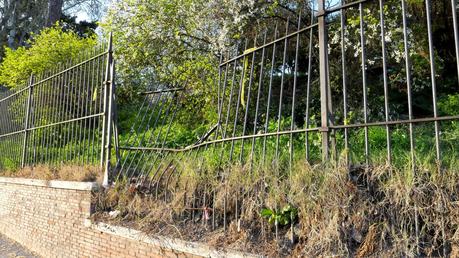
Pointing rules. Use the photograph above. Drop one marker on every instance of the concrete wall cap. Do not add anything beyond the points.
(178, 245)
(81, 186)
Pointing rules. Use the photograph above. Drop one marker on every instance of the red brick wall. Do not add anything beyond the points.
(51, 222)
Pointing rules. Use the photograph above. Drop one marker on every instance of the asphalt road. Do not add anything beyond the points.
(11, 249)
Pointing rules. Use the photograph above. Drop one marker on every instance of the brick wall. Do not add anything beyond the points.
(51, 219)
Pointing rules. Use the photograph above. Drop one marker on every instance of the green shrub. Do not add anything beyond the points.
(46, 49)
(449, 105)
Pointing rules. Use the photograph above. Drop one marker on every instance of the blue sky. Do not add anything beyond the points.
(83, 15)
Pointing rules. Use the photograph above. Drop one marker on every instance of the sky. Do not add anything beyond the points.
(82, 15)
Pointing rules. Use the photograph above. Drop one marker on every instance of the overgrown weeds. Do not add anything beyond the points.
(358, 211)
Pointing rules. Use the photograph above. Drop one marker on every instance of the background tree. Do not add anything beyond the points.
(20, 18)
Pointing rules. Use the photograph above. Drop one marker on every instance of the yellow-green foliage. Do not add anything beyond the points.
(46, 49)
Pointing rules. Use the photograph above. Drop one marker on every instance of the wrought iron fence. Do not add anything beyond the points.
(284, 99)
(61, 117)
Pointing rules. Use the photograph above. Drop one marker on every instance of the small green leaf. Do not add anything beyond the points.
(283, 220)
(286, 209)
(266, 213)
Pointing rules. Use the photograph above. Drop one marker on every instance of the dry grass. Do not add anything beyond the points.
(357, 212)
(65, 173)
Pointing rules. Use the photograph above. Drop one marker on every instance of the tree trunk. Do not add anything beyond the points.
(54, 12)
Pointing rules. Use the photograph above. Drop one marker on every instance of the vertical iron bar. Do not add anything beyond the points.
(324, 87)
(115, 119)
(281, 94)
(221, 97)
(98, 104)
(33, 111)
(92, 90)
(75, 112)
(236, 115)
(344, 74)
(260, 84)
(228, 112)
(106, 131)
(308, 86)
(386, 87)
(79, 72)
(41, 108)
(247, 104)
(54, 90)
(292, 123)
(268, 105)
(364, 81)
(110, 124)
(26, 121)
(434, 83)
(59, 109)
(86, 102)
(48, 115)
(66, 110)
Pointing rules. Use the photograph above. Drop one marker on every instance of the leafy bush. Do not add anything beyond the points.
(283, 217)
(46, 49)
(449, 105)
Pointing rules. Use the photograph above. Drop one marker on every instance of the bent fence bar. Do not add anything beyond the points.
(285, 98)
(282, 87)
(61, 117)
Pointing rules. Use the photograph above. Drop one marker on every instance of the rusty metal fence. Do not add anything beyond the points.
(285, 98)
(61, 117)
(316, 88)
(269, 89)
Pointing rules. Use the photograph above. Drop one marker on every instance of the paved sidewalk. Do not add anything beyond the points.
(11, 249)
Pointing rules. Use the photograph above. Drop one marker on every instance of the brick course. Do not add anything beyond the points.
(52, 222)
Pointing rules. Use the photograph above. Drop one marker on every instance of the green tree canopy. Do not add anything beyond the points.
(46, 49)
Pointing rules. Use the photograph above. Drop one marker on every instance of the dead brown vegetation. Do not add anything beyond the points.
(361, 211)
(65, 173)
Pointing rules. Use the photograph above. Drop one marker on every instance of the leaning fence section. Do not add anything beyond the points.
(328, 86)
(59, 117)
(148, 143)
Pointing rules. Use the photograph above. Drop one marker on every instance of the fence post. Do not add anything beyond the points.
(115, 119)
(324, 81)
(26, 122)
(107, 119)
